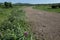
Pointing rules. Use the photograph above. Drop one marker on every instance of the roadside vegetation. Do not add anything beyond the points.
(12, 23)
(49, 7)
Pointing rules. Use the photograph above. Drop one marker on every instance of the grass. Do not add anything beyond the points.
(47, 8)
(4, 13)
(14, 26)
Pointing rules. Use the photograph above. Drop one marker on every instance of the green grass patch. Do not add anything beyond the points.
(47, 8)
(14, 26)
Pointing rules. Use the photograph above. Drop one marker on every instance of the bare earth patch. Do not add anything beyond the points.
(44, 25)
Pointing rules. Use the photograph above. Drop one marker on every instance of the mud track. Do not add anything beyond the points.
(44, 25)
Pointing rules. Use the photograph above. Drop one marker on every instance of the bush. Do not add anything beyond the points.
(59, 6)
(10, 4)
(7, 4)
(54, 6)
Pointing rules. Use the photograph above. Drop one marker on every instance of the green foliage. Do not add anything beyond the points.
(53, 6)
(14, 26)
(7, 4)
(10, 4)
(47, 8)
(11, 18)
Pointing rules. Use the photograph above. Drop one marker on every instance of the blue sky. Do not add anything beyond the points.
(32, 1)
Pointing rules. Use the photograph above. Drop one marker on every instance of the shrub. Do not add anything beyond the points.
(7, 4)
(10, 4)
(59, 6)
(54, 6)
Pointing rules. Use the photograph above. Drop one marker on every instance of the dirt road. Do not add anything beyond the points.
(44, 25)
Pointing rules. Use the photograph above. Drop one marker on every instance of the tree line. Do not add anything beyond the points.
(6, 5)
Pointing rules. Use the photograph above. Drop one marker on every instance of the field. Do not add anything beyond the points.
(13, 25)
(29, 22)
(47, 8)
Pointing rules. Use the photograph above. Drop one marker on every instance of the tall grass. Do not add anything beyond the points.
(15, 27)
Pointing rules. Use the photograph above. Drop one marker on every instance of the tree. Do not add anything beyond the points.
(10, 4)
(53, 6)
(7, 4)
(58, 6)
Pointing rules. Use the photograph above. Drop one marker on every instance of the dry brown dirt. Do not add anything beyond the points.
(44, 25)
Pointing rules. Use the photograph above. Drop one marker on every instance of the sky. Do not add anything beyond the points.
(32, 1)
